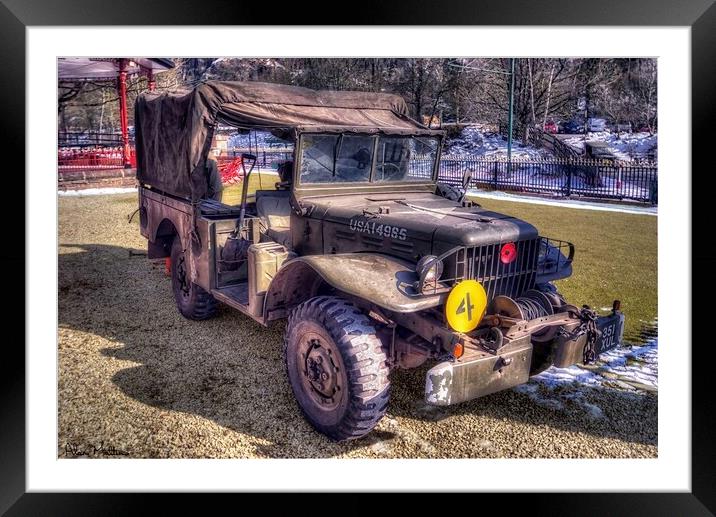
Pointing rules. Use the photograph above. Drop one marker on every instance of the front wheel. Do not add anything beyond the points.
(337, 367)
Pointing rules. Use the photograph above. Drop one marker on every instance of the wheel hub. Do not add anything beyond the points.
(321, 372)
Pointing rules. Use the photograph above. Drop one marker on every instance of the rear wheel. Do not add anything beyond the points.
(192, 301)
(337, 367)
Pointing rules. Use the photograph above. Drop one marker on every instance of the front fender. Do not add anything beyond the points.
(382, 280)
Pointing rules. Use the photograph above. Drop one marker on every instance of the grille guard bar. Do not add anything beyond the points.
(554, 263)
(539, 260)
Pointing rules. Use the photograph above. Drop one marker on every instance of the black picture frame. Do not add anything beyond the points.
(700, 15)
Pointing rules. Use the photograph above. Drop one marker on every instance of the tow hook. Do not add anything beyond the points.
(502, 362)
(494, 341)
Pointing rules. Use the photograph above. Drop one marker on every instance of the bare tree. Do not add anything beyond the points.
(456, 89)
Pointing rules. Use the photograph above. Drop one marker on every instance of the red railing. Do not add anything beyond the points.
(96, 158)
(230, 169)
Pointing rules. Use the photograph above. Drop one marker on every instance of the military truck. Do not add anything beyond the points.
(374, 264)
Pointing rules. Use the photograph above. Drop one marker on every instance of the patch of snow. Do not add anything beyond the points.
(594, 410)
(264, 140)
(631, 369)
(624, 146)
(627, 364)
(97, 191)
(474, 141)
(565, 203)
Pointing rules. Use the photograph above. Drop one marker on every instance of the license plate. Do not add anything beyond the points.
(611, 327)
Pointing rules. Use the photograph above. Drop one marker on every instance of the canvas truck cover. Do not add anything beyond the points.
(174, 129)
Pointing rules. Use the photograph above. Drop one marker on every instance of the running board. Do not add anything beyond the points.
(237, 297)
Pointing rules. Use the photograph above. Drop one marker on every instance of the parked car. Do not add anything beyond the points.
(598, 150)
(595, 125)
(623, 127)
(551, 127)
(573, 127)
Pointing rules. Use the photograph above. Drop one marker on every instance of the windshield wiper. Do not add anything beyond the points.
(457, 215)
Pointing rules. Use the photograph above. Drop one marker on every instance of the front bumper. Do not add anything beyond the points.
(482, 372)
(479, 373)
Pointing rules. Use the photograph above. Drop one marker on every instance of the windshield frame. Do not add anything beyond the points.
(371, 183)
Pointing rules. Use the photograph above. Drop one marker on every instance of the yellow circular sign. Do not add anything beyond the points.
(466, 305)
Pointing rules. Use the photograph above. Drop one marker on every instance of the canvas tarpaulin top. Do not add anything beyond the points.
(174, 129)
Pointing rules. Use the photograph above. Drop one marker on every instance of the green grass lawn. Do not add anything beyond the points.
(615, 258)
(232, 193)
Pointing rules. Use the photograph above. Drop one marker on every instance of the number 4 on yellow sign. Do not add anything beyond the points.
(466, 305)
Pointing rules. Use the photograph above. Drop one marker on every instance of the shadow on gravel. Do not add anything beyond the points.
(230, 370)
(604, 412)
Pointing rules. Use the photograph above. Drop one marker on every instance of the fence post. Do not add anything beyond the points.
(495, 163)
(569, 179)
(653, 190)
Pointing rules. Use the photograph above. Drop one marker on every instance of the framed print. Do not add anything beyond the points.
(424, 165)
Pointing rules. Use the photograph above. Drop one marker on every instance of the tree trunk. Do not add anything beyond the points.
(435, 105)
(532, 92)
(418, 92)
(101, 114)
(549, 95)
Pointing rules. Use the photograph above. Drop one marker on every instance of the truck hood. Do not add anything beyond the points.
(417, 217)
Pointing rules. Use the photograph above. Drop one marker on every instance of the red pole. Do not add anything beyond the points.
(152, 83)
(123, 112)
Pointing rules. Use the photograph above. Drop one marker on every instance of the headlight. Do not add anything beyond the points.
(429, 269)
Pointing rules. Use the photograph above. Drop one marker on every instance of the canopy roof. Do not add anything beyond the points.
(174, 129)
(100, 68)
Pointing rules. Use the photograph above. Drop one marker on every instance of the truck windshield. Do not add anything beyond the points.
(350, 158)
(402, 158)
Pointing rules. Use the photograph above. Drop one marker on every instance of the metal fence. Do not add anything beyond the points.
(90, 139)
(606, 179)
(265, 158)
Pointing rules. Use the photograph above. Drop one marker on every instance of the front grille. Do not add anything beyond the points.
(482, 263)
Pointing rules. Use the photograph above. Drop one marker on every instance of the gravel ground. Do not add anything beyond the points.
(138, 380)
